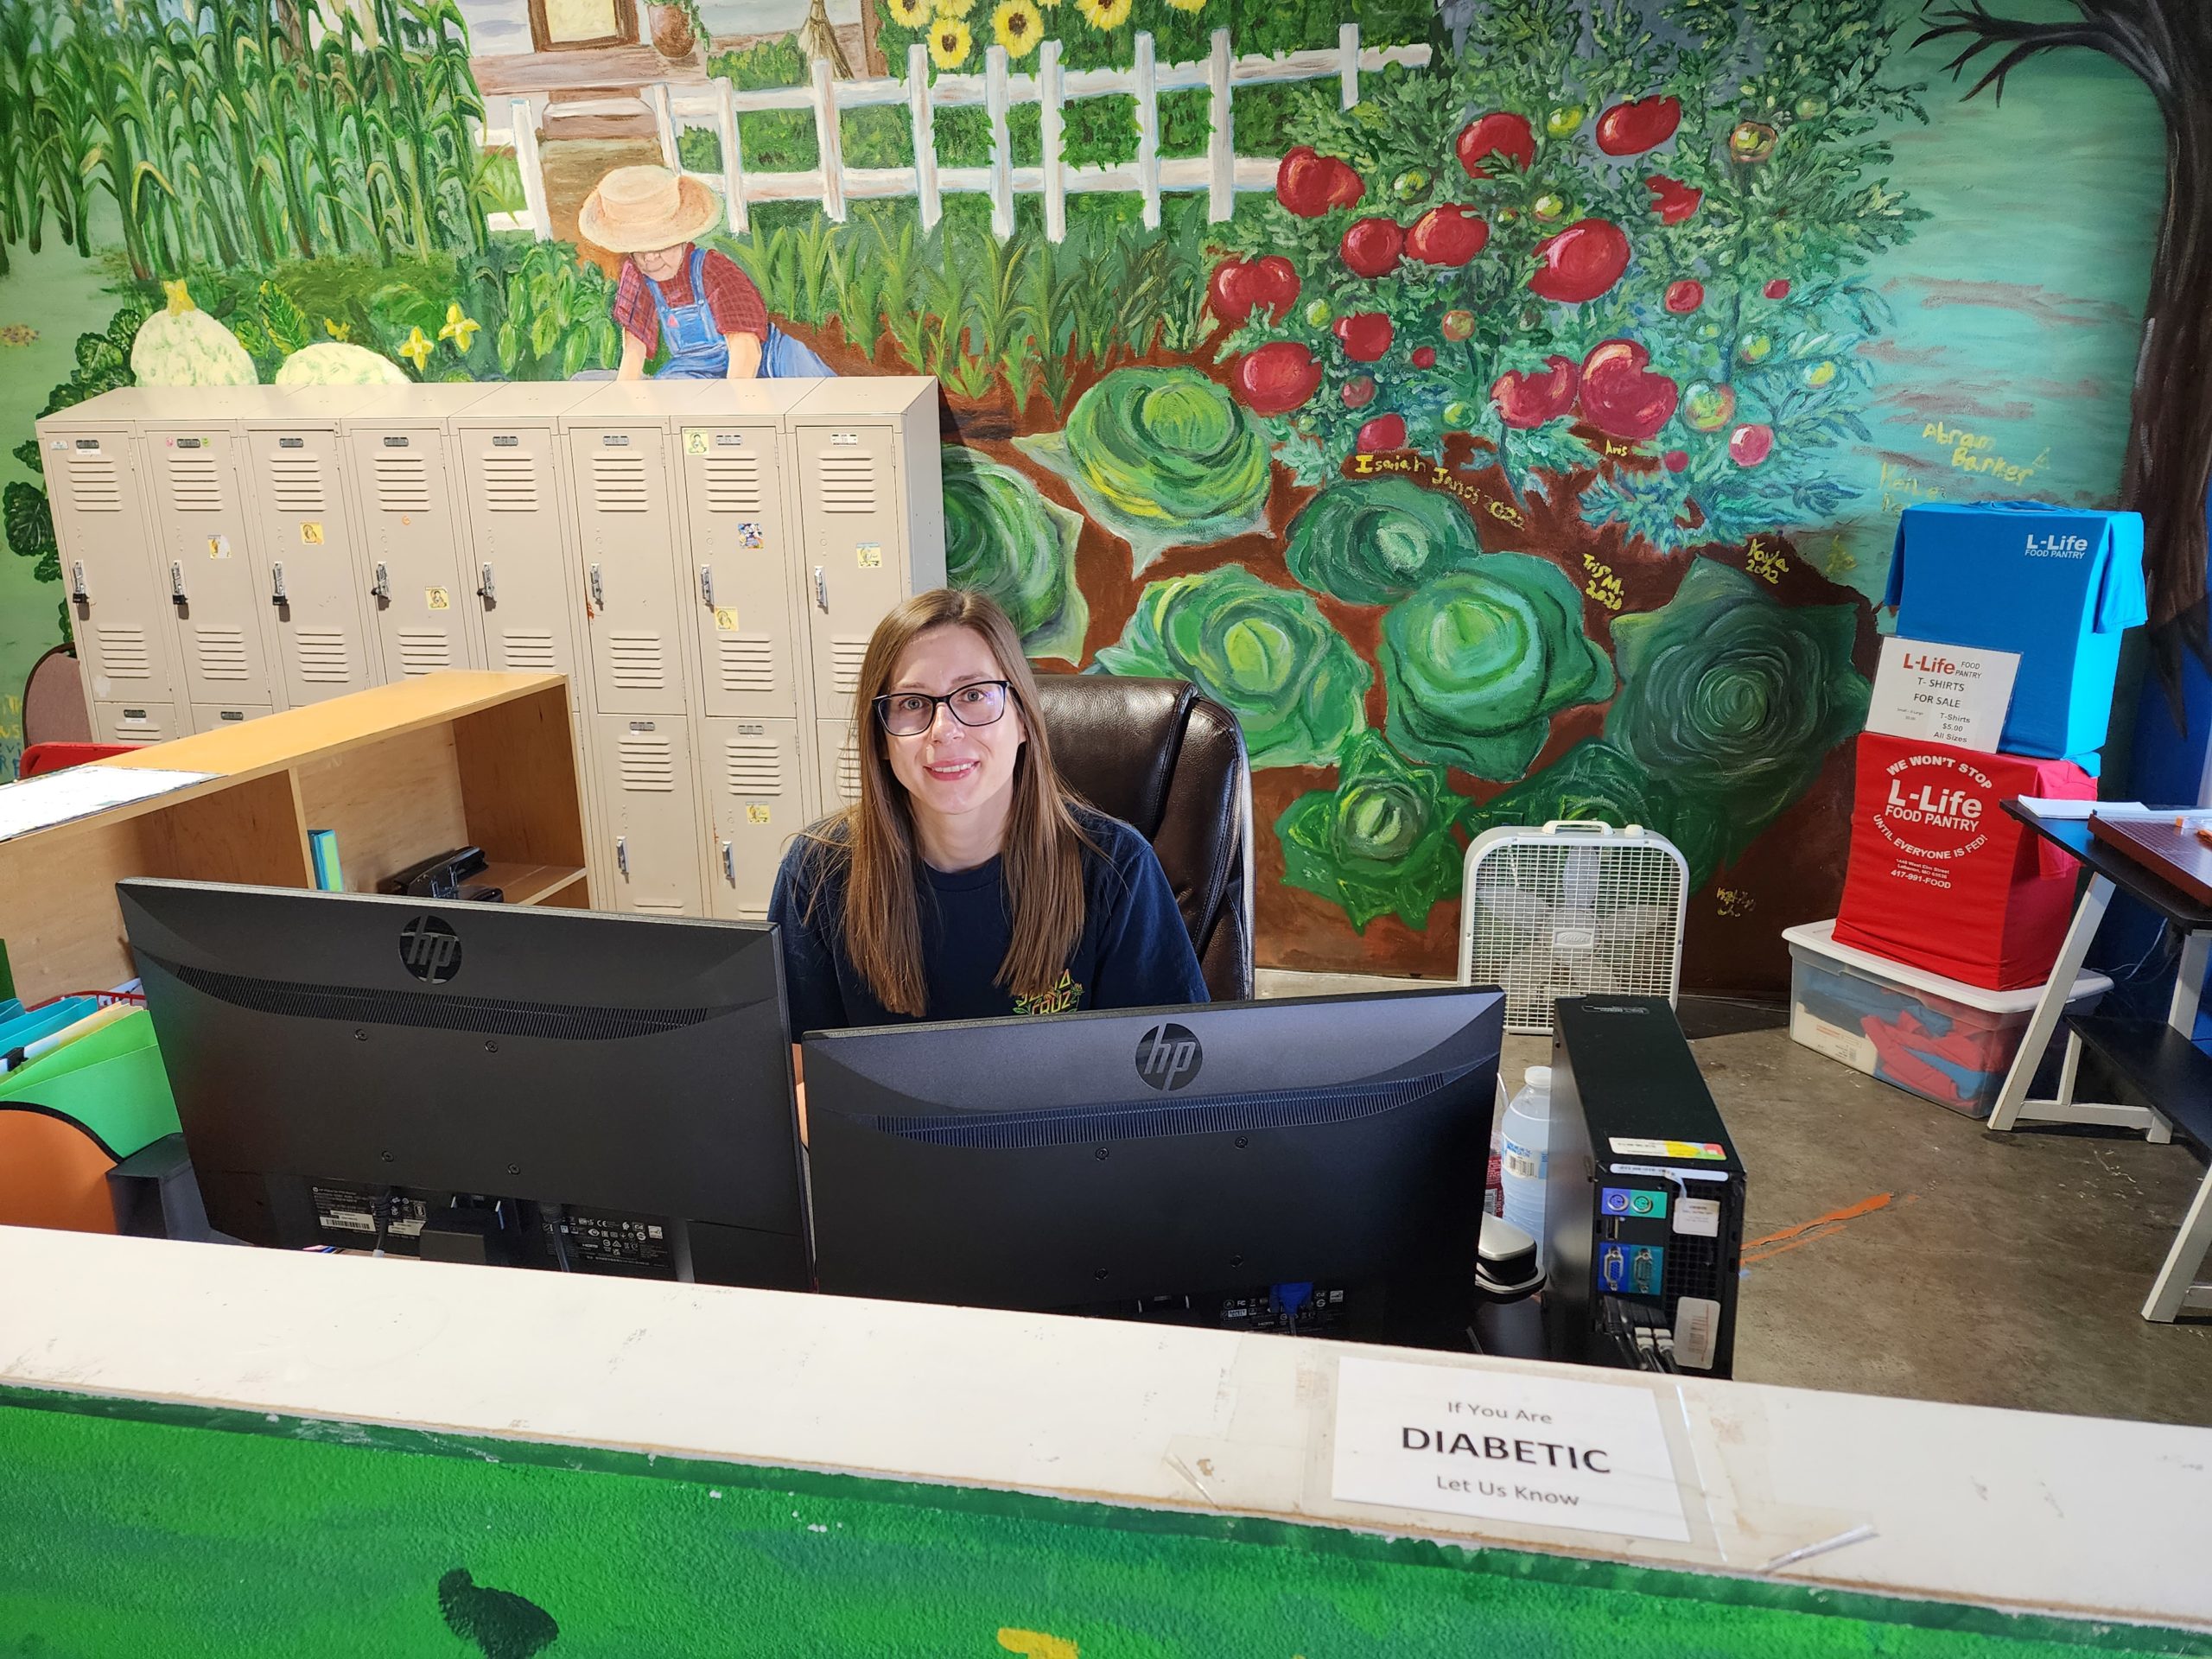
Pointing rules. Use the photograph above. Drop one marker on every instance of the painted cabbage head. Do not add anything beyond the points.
(1734, 699)
(1374, 540)
(1595, 780)
(1004, 538)
(1267, 653)
(1478, 662)
(1381, 841)
(1162, 458)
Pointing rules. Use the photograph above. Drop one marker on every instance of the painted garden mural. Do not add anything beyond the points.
(1505, 407)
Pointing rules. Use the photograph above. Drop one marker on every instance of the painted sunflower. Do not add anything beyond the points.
(1188, 5)
(954, 8)
(1104, 14)
(1019, 27)
(909, 13)
(948, 42)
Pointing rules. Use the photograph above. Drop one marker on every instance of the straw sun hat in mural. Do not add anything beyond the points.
(639, 209)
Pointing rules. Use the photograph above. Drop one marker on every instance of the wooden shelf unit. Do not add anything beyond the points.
(401, 772)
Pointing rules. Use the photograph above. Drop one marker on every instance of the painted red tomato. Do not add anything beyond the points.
(1241, 286)
(1358, 394)
(1684, 298)
(1581, 262)
(1424, 357)
(1383, 432)
(1675, 460)
(1751, 444)
(1620, 397)
(1365, 335)
(1277, 379)
(1501, 133)
(1309, 183)
(1672, 200)
(1371, 247)
(1457, 325)
(1777, 289)
(1449, 235)
(1642, 123)
(1526, 400)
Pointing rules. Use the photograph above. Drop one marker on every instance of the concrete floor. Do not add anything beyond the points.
(1892, 1247)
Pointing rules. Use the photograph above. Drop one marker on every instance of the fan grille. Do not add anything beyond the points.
(1546, 916)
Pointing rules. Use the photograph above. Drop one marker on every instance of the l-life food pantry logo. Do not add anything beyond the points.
(1936, 806)
(2057, 547)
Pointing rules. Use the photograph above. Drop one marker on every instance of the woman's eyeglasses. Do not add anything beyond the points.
(909, 714)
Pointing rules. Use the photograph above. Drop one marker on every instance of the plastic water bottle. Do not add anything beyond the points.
(1527, 1140)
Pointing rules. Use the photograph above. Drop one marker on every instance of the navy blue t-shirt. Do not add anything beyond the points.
(1134, 952)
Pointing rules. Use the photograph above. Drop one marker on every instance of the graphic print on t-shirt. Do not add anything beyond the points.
(1063, 998)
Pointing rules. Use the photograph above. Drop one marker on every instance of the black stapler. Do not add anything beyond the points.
(445, 876)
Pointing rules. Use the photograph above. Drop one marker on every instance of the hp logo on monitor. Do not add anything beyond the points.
(429, 950)
(1168, 1057)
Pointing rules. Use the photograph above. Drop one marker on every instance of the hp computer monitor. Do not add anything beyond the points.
(1253, 1158)
(538, 1087)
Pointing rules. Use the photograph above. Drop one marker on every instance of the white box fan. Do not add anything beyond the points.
(1569, 909)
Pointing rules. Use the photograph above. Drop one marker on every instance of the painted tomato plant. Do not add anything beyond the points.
(1616, 249)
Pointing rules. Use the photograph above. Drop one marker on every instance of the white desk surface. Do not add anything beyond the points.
(2015, 1511)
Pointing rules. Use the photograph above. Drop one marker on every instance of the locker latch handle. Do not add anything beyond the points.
(484, 591)
(176, 584)
(276, 595)
(381, 588)
(77, 582)
(820, 590)
(598, 590)
(622, 854)
(707, 586)
(730, 864)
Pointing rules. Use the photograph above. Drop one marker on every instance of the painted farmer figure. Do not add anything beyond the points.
(672, 291)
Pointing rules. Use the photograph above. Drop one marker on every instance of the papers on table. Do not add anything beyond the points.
(60, 797)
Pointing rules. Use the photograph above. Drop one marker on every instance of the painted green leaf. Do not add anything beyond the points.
(1004, 538)
(1380, 842)
(1162, 458)
(30, 524)
(1478, 662)
(1374, 540)
(1734, 700)
(1295, 685)
(1595, 780)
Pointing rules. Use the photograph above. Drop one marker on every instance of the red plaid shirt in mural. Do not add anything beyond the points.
(735, 303)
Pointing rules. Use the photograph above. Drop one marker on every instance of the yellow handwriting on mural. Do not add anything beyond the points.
(1036, 1644)
(1901, 487)
(1970, 452)
(1764, 560)
(1731, 904)
(1440, 477)
(1604, 586)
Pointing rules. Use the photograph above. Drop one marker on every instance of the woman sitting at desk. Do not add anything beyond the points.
(967, 882)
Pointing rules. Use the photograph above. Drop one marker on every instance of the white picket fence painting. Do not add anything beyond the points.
(1220, 172)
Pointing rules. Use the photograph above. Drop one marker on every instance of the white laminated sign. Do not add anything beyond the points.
(1947, 694)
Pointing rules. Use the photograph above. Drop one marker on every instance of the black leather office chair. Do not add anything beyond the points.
(1161, 756)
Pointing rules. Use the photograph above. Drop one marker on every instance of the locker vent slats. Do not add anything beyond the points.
(124, 655)
(221, 652)
(754, 768)
(424, 651)
(639, 663)
(195, 485)
(93, 486)
(322, 656)
(848, 481)
(511, 483)
(732, 484)
(747, 662)
(618, 484)
(295, 483)
(529, 649)
(645, 763)
(847, 652)
(402, 483)
(848, 771)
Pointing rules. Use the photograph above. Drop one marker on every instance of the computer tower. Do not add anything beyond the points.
(1644, 1196)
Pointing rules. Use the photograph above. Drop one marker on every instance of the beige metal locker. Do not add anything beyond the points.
(192, 465)
(306, 544)
(520, 533)
(870, 484)
(214, 716)
(413, 525)
(649, 813)
(752, 771)
(125, 634)
(136, 722)
(837, 764)
(627, 528)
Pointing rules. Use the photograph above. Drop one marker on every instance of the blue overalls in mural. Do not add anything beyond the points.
(696, 350)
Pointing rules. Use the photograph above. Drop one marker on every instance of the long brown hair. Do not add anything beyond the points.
(873, 837)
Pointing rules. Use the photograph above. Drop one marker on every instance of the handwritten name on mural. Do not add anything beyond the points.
(1438, 476)
(1971, 452)
(1764, 560)
(1901, 488)
(1604, 586)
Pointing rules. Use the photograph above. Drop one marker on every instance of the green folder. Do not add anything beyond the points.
(110, 1084)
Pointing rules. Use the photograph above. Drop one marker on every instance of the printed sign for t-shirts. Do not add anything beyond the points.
(1951, 693)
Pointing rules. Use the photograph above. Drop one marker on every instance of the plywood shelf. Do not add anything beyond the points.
(401, 773)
